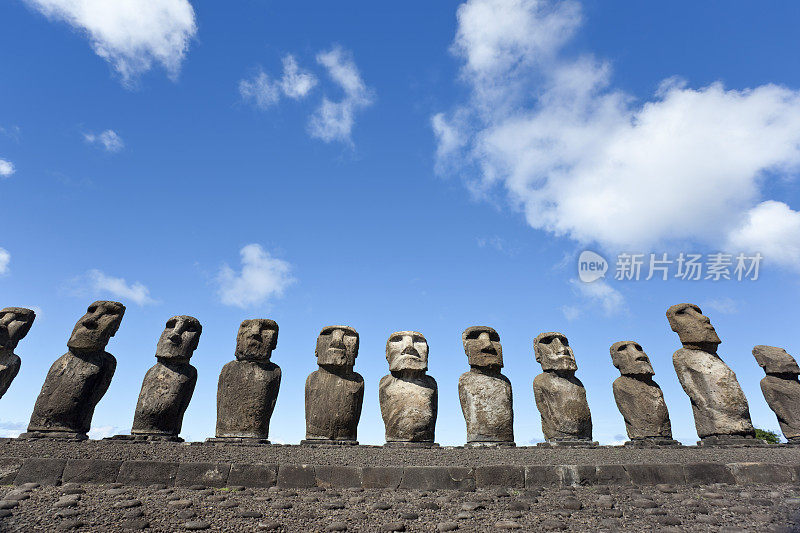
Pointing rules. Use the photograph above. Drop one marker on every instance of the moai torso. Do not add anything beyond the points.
(71, 391)
(333, 405)
(334, 393)
(486, 402)
(783, 397)
(9, 368)
(781, 388)
(642, 405)
(166, 392)
(246, 396)
(409, 407)
(718, 403)
(561, 400)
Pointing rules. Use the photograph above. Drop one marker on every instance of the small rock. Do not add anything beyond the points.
(669, 521)
(17, 496)
(381, 506)
(196, 525)
(644, 504)
(179, 504)
(472, 506)
(337, 526)
(551, 524)
(408, 515)
(156, 486)
(115, 492)
(433, 506)
(127, 504)
(463, 515)
(73, 490)
(333, 506)
(67, 513)
(281, 505)
(740, 509)
(8, 504)
(60, 504)
(762, 501)
(447, 526)
(236, 488)
(216, 498)
(229, 504)
(134, 513)
(249, 514)
(517, 505)
(655, 512)
(165, 491)
(572, 503)
(393, 526)
(197, 487)
(186, 514)
(506, 524)
(611, 513)
(668, 489)
(501, 493)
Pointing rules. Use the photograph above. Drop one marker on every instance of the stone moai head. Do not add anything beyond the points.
(407, 350)
(693, 327)
(15, 323)
(630, 359)
(96, 327)
(553, 352)
(256, 339)
(337, 346)
(775, 360)
(179, 339)
(482, 346)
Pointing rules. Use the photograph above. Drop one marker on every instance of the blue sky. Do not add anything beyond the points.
(416, 166)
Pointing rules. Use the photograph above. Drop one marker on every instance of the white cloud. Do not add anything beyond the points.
(333, 121)
(296, 82)
(596, 293)
(98, 283)
(583, 159)
(264, 93)
(5, 260)
(12, 430)
(773, 229)
(129, 34)
(6, 168)
(724, 305)
(101, 432)
(262, 277)
(109, 139)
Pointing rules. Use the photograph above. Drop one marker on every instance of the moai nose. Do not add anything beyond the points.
(337, 338)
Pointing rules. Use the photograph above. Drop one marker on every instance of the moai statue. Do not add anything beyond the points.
(248, 387)
(484, 392)
(334, 393)
(721, 413)
(560, 396)
(639, 398)
(15, 323)
(408, 396)
(781, 388)
(168, 386)
(78, 379)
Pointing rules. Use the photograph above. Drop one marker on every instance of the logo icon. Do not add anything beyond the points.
(591, 266)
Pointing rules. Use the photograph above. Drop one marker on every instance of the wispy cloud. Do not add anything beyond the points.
(5, 260)
(585, 160)
(6, 168)
(333, 121)
(10, 429)
(130, 34)
(264, 93)
(597, 293)
(97, 283)
(724, 305)
(101, 432)
(109, 140)
(261, 278)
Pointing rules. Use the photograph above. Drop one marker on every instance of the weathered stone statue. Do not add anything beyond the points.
(408, 396)
(334, 393)
(78, 379)
(15, 323)
(484, 392)
(168, 386)
(781, 388)
(248, 387)
(639, 398)
(560, 396)
(721, 413)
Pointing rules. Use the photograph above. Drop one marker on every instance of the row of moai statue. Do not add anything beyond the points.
(248, 386)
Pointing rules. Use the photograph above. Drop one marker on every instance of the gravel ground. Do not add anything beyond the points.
(378, 456)
(774, 508)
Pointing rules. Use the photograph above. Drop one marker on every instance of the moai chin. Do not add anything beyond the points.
(639, 398)
(781, 388)
(408, 396)
(15, 323)
(334, 393)
(484, 392)
(721, 413)
(168, 386)
(78, 379)
(248, 386)
(560, 396)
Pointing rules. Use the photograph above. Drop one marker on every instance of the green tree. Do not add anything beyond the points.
(770, 436)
